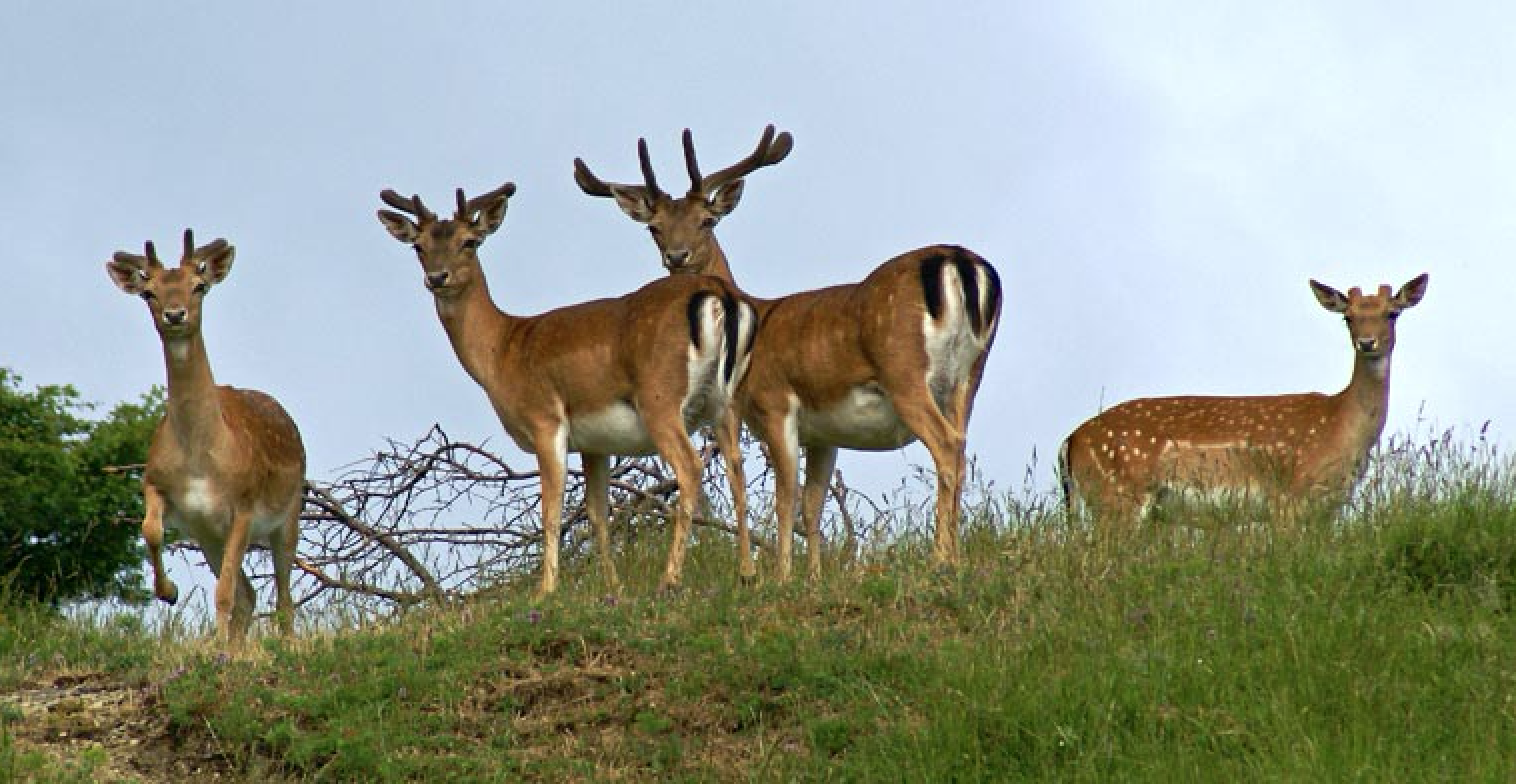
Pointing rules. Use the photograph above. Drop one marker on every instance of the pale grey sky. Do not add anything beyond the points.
(1154, 181)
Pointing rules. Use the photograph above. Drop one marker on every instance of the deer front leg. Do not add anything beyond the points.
(234, 594)
(152, 533)
(552, 448)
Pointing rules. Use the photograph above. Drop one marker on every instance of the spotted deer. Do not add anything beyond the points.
(632, 375)
(1282, 450)
(873, 365)
(226, 466)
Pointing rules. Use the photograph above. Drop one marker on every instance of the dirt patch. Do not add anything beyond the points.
(69, 717)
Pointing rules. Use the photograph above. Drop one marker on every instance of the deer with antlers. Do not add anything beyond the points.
(634, 375)
(226, 466)
(872, 365)
(1284, 450)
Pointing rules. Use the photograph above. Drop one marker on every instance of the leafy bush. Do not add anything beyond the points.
(65, 530)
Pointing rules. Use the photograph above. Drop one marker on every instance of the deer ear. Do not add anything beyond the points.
(1411, 293)
(490, 217)
(633, 201)
(1330, 298)
(726, 197)
(128, 273)
(214, 261)
(399, 226)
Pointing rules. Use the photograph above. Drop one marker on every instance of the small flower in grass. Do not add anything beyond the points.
(223, 658)
(609, 600)
(533, 615)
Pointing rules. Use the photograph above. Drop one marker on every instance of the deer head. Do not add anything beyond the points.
(683, 228)
(1371, 318)
(447, 248)
(174, 296)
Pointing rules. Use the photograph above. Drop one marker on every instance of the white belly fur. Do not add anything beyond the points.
(614, 430)
(200, 514)
(865, 419)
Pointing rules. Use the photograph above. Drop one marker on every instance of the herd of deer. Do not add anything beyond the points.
(873, 365)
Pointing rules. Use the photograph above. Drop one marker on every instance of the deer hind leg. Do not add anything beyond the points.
(596, 500)
(945, 442)
(728, 438)
(552, 450)
(674, 446)
(820, 461)
(282, 549)
(152, 534)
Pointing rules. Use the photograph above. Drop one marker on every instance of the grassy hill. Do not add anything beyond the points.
(1376, 648)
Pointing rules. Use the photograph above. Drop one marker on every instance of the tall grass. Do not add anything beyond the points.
(1374, 648)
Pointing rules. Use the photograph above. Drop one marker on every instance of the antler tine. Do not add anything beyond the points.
(647, 168)
(696, 186)
(412, 205)
(152, 255)
(189, 247)
(472, 205)
(463, 206)
(771, 150)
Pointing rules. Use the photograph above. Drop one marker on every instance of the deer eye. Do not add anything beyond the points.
(655, 231)
(471, 244)
(201, 287)
(148, 296)
(709, 222)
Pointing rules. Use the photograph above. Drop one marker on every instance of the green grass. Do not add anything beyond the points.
(1376, 649)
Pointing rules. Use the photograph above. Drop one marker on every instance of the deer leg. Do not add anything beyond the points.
(946, 444)
(820, 461)
(667, 433)
(233, 592)
(282, 549)
(152, 534)
(728, 438)
(552, 449)
(596, 499)
(779, 432)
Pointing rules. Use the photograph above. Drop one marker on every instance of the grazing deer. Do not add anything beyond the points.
(633, 375)
(226, 466)
(1283, 450)
(872, 365)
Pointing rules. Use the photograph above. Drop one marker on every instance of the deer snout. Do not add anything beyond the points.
(675, 259)
(175, 316)
(1368, 345)
(436, 280)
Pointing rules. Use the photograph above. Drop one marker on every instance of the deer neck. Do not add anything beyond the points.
(720, 269)
(1364, 404)
(194, 406)
(476, 328)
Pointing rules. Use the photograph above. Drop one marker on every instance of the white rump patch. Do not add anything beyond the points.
(952, 348)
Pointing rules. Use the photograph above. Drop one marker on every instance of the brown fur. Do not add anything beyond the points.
(223, 461)
(1285, 450)
(542, 372)
(820, 347)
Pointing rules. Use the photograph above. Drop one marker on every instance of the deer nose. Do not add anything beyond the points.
(1368, 344)
(175, 317)
(436, 280)
(677, 258)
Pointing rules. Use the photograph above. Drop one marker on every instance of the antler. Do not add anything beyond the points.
(771, 150)
(467, 207)
(594, 186)
(412, 205)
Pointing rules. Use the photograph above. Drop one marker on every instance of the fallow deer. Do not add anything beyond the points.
(1283, 450)
(633, 375)
(872, 365)
(226, 466)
